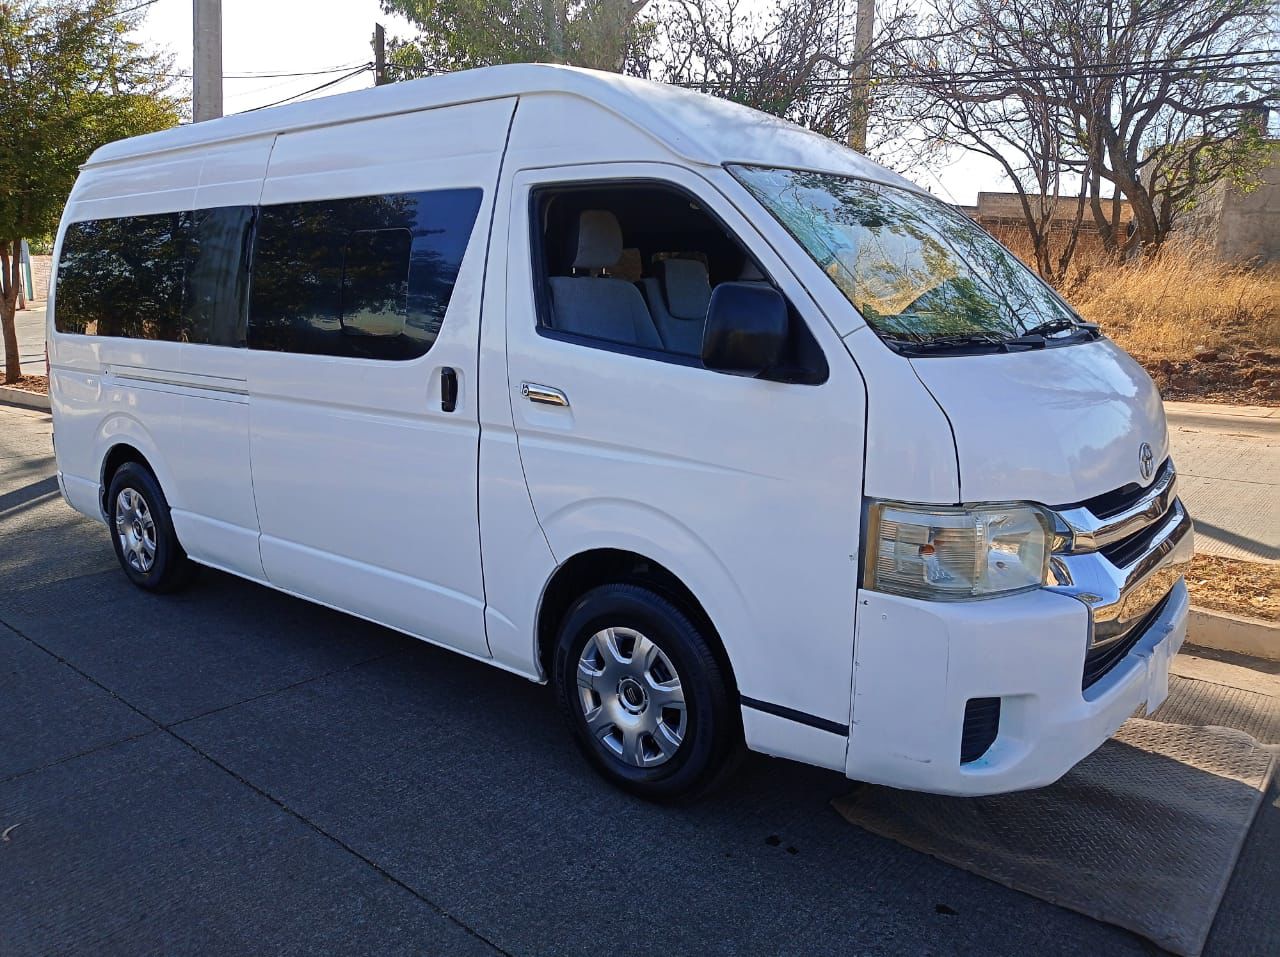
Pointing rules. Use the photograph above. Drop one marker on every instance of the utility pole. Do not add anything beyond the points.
(860, 77)
(206, 64)
(379, 55)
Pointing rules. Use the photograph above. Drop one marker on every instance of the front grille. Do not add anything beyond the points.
(1099, 661)
(1125, 552)
(981, 725)
(1118, 500)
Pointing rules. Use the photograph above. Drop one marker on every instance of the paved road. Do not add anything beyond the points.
(232, 771)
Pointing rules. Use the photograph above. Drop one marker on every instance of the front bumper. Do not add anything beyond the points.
(918, 663)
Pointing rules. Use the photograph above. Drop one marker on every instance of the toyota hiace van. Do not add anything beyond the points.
(730, 435)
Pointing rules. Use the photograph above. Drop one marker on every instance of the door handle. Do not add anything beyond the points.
(448, 389)
(544, 394)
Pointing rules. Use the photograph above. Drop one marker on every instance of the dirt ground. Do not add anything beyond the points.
(1230, 585)
(30, 383)
(1245, 377)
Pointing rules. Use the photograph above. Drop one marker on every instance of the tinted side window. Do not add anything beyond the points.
(367, 277)
(123, 277)
(177, 277)
(375, 294)
(213, 301)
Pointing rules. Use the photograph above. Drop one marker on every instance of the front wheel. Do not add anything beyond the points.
(142, 531)
(644, 696)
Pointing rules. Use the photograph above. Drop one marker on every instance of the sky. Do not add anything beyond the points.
(301, 36)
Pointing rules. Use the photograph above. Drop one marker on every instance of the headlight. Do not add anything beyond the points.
(953, 554)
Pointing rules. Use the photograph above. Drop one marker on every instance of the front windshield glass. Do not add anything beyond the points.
(917, 269)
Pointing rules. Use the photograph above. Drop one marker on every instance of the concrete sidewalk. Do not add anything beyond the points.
(29, 324)
(1228, 460)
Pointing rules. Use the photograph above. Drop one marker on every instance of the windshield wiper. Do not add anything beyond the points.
(1035, 337)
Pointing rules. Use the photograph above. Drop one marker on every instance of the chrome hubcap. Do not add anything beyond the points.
(136, 530)
(631, 697)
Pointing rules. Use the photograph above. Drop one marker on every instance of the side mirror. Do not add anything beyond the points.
(746, 328)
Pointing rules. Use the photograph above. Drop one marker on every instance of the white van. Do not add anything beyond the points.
(727, 433)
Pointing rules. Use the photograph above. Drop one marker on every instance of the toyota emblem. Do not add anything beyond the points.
(1146, 460)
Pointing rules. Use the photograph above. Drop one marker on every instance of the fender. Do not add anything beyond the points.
(633, 526)
(121, 428)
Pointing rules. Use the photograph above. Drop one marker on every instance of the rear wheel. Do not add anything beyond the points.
(644, 695)
(142, 531)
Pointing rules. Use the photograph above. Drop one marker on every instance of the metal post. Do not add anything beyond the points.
(206, 64)
(860, 77)
(379, 55)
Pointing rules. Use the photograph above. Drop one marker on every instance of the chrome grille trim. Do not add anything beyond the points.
(1119, 598)
(1083, 531)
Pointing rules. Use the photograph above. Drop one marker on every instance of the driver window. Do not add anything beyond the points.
(632, 266)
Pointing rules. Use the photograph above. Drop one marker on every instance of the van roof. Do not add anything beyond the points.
(700, 128)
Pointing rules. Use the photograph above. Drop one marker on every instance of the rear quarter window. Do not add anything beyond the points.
(172, 277)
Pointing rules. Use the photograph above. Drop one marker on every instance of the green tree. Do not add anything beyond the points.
(460, 34)
(72, 81)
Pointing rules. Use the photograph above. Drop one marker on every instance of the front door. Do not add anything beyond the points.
(749, 490)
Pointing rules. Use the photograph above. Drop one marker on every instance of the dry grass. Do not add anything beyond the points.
(1241, 588)
(1203, 328)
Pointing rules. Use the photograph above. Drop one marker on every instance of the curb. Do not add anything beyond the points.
(30, 400)
(1221, 410)
(1226, 632)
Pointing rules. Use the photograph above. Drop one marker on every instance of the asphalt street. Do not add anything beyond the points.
(233, 771)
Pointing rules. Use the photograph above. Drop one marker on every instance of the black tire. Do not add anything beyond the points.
(170, 568)
(712, 730)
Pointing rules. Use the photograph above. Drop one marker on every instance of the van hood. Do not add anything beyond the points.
(1054, 426)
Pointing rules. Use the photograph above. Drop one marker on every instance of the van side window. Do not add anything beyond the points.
(216, 275)
(123, 277)
(631, 266)
(365, 277)
(375, 286)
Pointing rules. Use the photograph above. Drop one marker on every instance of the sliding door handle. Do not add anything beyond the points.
(448, 389)
(544, 394)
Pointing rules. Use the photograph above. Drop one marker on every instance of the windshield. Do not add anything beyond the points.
(919, 271)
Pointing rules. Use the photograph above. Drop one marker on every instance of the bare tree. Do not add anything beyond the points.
(792, 59)
(958, 87)
(1094, 97)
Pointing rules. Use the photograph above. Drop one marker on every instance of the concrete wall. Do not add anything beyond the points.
(1001, 215)
(1239, 226)
(1005, 209)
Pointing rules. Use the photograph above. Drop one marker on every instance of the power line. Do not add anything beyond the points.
(268, 76)
(244, 76)
(136, 6)
(1012, 74)
(316, 89)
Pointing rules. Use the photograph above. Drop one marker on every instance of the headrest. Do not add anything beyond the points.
(750, 272)
(686, 286)
(595, 242)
